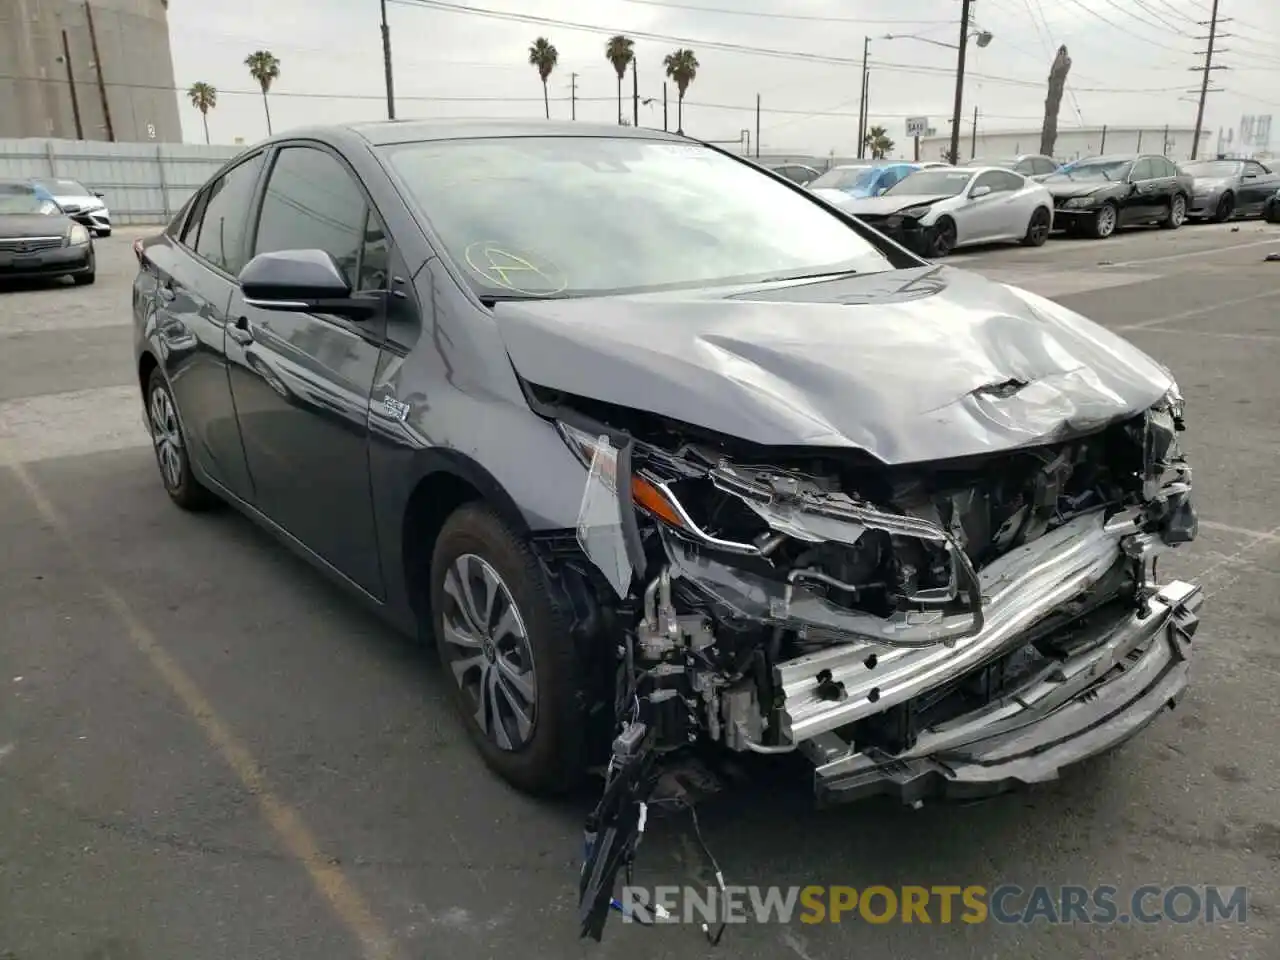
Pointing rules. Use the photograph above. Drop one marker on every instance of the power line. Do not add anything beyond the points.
(1128, 33)
(751, 50)
(775, 16)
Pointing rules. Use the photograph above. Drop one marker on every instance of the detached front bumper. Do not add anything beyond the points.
(1093, 701)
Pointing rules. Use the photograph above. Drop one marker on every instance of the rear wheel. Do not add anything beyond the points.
(1038, 228)
(1226, 207)
(942, 238)
(1177, 214)
(171, 447)
(507, 653)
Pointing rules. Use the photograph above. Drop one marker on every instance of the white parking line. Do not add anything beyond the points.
(1240, 531)
(1189, 254)
(1222, 305)
(1212, 334)
(71, 424)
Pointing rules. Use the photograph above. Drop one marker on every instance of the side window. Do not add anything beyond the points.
(1142, 170)
(313, 203)
(1042, 165)
(1253, 168)
(1165, 167)
(186, 225)
(223, 216)
(1011, 182)
(989, 179)
(1026, 165)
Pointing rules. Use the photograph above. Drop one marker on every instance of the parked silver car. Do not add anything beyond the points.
(1230, 188)
(80, 203)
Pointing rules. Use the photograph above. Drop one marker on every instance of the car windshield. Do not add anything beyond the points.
(844, 178)
(943, 183)
(18, 198)
(64, 188)
(592, 216)
(1214, 169)
(1098, 169)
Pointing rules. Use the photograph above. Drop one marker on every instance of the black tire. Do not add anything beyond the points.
(1038, 228)
(1105, 221)
(547, 758)
(179, 482)
(1225, 209)
(1272, 212)
(941, 239)
(1177, 214)
(84, 279)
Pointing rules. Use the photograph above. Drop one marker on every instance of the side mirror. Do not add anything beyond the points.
(977, 192)
(303, 281)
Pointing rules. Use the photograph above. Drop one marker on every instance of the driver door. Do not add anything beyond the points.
(1144, 199)
(982, 218)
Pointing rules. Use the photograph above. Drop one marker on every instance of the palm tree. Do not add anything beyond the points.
(544, 56)
(682, 67)
(204, 97)
(264, 68)
(878, 142)
(620, 51)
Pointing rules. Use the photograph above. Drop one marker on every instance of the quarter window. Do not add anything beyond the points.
(313, 203)
(1009, 182)
(216, 230)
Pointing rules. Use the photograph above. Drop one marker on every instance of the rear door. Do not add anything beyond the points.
(195, 278)
(301, 382)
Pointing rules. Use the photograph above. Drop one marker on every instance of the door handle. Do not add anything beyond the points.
(240, 331)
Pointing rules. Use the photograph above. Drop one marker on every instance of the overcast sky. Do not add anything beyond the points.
(1131, 61)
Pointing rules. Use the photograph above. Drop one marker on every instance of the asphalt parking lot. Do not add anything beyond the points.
(208, 753)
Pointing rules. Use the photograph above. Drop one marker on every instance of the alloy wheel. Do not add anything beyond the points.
(488, 651)
(943, 239)
(1178, 211)
(1106, 221)
(1039, 227)
(167, 436)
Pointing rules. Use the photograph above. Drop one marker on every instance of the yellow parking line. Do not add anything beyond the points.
(341, 895)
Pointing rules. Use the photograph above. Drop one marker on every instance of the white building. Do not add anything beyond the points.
(1072, 142)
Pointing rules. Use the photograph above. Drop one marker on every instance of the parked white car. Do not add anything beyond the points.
(936, 210)
(80, 204)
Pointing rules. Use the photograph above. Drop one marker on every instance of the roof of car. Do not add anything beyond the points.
(386, 132)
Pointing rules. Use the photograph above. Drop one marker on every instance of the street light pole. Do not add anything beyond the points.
(386, 64)
(959, 101)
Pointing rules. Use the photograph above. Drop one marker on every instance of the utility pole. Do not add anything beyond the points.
(635, 95)
(97, 65)
(973, 134)
(862, 98)
(71, 85)
(757, 126)
(386, 64)
(664, 105)
(959, 103)
(1208, 66)
(573, 96)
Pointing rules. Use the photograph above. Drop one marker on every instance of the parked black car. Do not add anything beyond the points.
(1096, 197)
(1034, 166)
(1230, 188)
(735, 470)
(38, 240)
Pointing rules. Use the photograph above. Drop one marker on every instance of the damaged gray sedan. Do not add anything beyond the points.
(665, 453)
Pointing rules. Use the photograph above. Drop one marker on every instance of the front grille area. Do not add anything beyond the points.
(30, 244)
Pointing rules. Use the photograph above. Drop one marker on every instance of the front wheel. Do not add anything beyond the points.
(170, 444)
(507, 653)
(941, 238)
(1038, 228)
(1104, 221)
(1177, 215)
(1226, 207)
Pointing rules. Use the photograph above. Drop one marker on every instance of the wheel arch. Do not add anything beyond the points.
(444, 481)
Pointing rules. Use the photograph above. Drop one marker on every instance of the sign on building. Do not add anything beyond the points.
(917, 126)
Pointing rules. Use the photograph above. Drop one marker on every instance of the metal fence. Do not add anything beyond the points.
(141, 182)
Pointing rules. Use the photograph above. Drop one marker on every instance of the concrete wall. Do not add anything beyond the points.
(41, 89)
(1072, 143)
(143, 182)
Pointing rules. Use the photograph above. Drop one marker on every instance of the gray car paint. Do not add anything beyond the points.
(889, 361)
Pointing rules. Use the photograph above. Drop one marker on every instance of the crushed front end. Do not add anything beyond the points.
(953, 628)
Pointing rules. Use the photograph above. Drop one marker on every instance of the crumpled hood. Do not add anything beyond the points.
(13, 225)
(884, 205)
(911, 365)
(1074, 188)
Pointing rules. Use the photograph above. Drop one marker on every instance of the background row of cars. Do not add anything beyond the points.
(934, 208)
